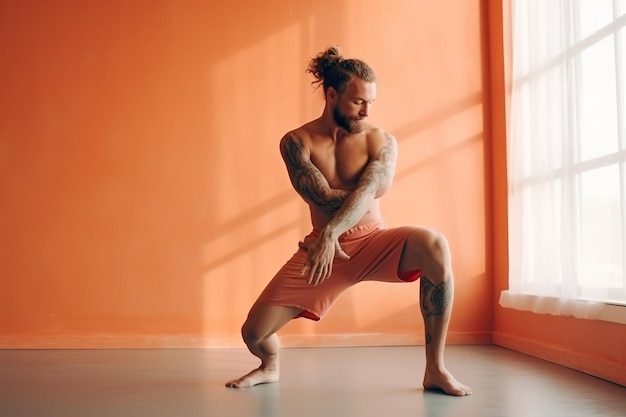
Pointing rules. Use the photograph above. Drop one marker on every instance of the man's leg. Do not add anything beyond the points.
(259, 334)
(428, 251)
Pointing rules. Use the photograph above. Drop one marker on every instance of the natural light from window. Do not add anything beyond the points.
(566, 147)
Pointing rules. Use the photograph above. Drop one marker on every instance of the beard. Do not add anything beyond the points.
(346, 123)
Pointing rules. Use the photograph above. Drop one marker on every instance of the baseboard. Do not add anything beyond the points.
(379, 339)
(592, 365)
(118, 342)
(207, 342)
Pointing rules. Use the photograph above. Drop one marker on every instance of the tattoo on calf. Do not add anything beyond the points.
(435, 299)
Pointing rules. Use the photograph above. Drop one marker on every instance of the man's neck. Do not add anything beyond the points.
(330, 128)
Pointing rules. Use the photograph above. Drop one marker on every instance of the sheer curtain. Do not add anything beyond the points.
(566, 150)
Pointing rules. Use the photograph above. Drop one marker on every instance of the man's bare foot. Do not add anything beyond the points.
(254, 377)
(444, 381)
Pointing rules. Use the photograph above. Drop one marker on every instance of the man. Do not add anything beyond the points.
(341, 165)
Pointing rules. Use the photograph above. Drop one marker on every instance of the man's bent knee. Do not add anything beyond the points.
(438, 247)
(251, 336)
(263, 321)
(433, 252)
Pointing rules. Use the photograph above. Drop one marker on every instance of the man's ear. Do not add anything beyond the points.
(331, 95)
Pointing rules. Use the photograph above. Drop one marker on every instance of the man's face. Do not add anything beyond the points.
(354, 105)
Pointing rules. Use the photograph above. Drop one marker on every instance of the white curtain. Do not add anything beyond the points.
(566, 150)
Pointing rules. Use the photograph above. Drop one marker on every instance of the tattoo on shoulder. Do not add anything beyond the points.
(390, 150)
(292, 149)
(307, 179)
(380, 171)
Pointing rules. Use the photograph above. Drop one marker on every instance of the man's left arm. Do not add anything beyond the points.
(374, 181)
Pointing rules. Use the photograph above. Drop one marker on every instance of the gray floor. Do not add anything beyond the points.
(338, 382)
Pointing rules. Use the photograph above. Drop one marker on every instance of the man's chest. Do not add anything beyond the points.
(342, 164)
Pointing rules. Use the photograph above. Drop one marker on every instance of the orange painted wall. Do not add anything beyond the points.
(595, 347)
(144, 202)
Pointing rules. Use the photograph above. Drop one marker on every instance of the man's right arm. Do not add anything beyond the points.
(307, 179)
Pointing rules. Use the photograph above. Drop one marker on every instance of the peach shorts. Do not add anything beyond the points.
(374, 251)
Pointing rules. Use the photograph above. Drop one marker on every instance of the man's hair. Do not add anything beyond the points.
(331, 69)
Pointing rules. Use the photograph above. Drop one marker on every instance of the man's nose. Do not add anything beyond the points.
(365, 109)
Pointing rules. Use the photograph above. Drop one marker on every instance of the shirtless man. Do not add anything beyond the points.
(341, 165)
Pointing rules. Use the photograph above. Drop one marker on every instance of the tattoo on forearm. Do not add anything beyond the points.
(380, 170)
(308, 180)
(378, 173)
(435, 299)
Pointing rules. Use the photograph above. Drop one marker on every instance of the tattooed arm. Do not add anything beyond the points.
(374, 181)
(307, 179)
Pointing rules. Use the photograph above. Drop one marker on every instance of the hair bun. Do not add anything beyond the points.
(331, 69)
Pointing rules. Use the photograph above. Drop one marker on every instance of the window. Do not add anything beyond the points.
(566, 150)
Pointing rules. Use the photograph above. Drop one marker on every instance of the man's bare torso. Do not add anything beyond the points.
(341, 161)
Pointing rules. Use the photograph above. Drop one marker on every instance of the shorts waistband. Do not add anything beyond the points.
(361, 228)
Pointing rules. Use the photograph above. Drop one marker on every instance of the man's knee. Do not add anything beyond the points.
(251, 336)
(438, 246)
(434, 252)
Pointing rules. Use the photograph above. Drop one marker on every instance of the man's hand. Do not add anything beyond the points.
(320, 255)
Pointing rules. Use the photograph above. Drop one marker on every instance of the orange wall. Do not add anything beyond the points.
(144, 202)
(595, 347)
